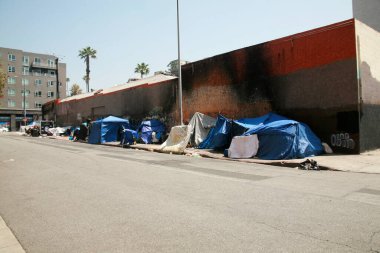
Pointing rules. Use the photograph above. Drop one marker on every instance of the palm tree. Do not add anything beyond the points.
(142, 68)
(85, 54)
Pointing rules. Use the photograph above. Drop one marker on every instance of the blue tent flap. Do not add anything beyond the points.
(219, 136)
(147, 127)
(279, 137)
(129, 137)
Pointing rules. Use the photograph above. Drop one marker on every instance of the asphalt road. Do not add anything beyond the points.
(58, 196)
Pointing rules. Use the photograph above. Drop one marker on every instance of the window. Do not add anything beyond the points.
(26, 104)
(11, 80)
(11, 57)
(11, 92)
(11, 103)
(38, 93)
(25, 71)
(27, 92)
(37, 61)
(37, 105)
(51, 63)
(25, 60)
(11, 69)
(50, 94)
(25, 81)
(50, 83)
(38, 82)
(52, 73)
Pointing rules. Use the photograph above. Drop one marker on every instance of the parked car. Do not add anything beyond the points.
(4, 129)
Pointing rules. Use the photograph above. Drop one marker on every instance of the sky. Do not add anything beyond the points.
(128, 32)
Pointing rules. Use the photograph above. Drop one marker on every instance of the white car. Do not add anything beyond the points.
(4, 129)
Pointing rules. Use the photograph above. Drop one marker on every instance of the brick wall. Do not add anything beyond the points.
(135, 103)
(309, 77)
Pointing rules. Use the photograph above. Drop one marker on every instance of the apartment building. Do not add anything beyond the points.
(32, 80)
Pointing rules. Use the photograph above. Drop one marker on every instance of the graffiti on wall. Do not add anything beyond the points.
(342, 140)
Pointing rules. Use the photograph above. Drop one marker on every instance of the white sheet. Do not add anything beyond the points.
(243, 147)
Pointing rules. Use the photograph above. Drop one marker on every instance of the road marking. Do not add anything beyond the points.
(9, 160)
(8, 242)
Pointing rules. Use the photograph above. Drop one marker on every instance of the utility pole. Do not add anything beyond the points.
(179, 67)
(57, 79)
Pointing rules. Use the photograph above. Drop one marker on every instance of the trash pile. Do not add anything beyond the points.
(309, 165)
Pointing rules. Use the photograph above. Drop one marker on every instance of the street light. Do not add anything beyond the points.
(179, 66)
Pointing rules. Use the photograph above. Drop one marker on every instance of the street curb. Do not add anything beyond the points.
(295, 163)
(155, 148)
(279, 163)
(8, 241)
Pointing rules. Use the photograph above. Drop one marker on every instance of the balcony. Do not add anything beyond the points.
(43, 65)
(25, 73)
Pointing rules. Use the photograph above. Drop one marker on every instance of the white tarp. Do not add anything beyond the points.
(243, 146)
(198, 128)
(177, 140)
(57, 130)
(195, 132)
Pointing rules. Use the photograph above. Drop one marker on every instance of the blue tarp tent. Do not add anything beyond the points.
(279, 137)
(107, 129)
(147, 127)
(219, 136)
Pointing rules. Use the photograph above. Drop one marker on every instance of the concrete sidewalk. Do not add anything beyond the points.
(8, 242)
(364, 163)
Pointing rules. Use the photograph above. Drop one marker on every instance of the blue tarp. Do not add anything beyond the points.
(129, 137)
(147, 127)
(279, 137)
(219, 136)
(107, 130)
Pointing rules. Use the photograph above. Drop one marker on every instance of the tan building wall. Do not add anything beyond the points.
(37, 75)
(368, 51)
(368, 12)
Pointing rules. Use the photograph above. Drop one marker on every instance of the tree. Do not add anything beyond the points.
(75, 90)
(142, 68)
(85, 54)
(173, 67)
(3, 79)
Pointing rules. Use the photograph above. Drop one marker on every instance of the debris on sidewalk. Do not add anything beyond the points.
(309, 165)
